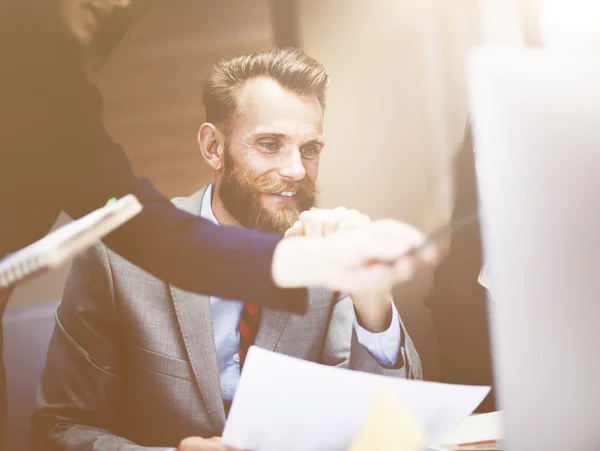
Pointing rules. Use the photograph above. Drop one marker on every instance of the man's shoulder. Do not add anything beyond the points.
(192, 203)
(100, 255)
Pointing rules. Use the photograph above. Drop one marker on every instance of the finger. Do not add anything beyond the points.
(342, 214)
(353, 222)
(346, 219)
(404, 270)
(329, 220)
(297, 229)
(313, 222)
(429, 254)
(306, 218)
(200, 444)
(376, 276)
(228, 448)
(330, 223)
(413, 236)
(400, 235)
(380, 242)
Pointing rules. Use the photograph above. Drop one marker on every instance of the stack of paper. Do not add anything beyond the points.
(478, 432)
(284, 403)
(61, 245)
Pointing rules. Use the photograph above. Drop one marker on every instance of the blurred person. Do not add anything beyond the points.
(57, 156)
(458, 301)
(178, 355)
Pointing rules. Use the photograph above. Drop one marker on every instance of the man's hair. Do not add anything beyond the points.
(290, 67)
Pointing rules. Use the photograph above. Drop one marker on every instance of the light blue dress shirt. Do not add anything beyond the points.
(226, 314)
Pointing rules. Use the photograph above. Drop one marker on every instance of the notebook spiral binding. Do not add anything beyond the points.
(20, 271)
(63, 244)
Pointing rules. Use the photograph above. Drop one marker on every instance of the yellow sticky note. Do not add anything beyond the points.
(388, 426)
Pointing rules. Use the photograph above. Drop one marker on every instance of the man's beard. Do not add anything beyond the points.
(241, 196)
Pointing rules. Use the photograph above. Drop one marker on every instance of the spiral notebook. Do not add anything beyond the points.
(61, 245)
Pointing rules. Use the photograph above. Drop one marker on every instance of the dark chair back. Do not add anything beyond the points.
(27, 332)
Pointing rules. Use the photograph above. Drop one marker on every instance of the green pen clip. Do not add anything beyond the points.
(112, 200)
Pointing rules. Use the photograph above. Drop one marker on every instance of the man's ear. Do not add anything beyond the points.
(212, 145)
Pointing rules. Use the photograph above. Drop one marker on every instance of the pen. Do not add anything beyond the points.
(483, 445)
(446, 230)
(481, 442)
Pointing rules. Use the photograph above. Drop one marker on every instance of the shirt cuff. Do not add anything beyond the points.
(383, 346)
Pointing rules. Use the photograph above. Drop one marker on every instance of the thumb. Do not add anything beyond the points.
(201, 444)
(430, 254)
(297, 229)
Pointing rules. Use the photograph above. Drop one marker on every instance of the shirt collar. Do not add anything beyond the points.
(206, 210)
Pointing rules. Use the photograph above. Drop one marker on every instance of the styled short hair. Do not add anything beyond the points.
(293, 69)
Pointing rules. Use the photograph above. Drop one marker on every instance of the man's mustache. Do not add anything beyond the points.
(305, 187)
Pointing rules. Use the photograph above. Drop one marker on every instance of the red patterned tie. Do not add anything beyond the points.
(249, 323)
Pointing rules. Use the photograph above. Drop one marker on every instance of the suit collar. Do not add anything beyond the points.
(193, 203)
(195, 322)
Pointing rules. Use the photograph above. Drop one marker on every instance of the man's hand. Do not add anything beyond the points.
(357, 259)
(373, 307)
(203, 444)
(321, 222)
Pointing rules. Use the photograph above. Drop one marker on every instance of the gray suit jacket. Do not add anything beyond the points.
(132, 360)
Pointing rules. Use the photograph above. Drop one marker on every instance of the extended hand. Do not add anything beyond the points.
(321, 222)
(203, 444)
(358, 259)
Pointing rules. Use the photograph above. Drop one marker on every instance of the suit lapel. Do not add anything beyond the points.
(195, 320)
(272, 322)
(271, 327)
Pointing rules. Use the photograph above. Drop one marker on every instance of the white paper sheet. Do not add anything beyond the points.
(283, 403)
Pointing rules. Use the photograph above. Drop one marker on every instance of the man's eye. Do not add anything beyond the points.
(310, 151)
(269, 146)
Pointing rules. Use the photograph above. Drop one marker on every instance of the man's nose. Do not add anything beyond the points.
(293, 167)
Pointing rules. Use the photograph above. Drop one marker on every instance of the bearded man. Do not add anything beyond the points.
(137, 363)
